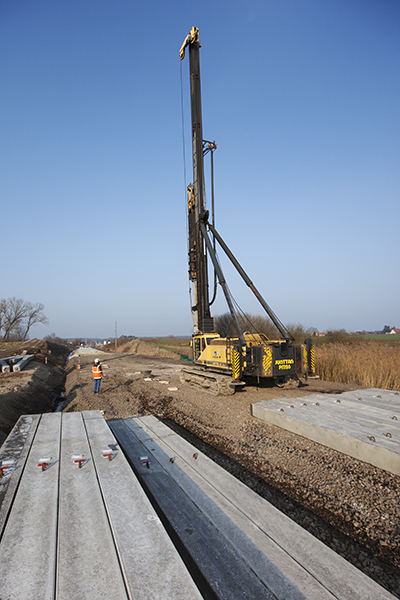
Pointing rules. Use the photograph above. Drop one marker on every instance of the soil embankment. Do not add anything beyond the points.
(350, 505)
(37, 388)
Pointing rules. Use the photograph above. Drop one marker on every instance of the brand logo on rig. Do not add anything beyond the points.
(284, 364)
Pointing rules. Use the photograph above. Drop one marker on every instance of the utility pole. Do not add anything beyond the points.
(116, 336)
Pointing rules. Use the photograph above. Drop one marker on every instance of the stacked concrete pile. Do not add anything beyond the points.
(15, 363)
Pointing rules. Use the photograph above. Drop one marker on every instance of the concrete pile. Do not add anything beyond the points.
(15, 363)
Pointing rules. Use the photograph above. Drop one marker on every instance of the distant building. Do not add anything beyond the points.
(320, 334)
(394, 331)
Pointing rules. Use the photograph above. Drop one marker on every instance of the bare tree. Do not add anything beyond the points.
(17, 316)
(14, 313)
(252, 323)
(2, 311)
(34, 315)
(298, 332)
(16, 334)
(224, 325)
(56, 340)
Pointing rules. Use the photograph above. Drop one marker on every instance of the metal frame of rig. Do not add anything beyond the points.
(246, 354)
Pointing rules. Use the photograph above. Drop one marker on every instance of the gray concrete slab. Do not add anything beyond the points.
(344, 418)
(11, 360)
(369, 409)
(216, 567)
(8, 362)
(15, 363)
(92, 414)
(87, 564)
(290, 561)
(260, 553)
(90, 532)
(142, 432)
(152, 567)
(5, 367)
(28, 546)
(367, 416)
(80, 533)
(348, 423)
(152, 426)
(353, 423)
(21, 364)
(375, 397)
(15, 449)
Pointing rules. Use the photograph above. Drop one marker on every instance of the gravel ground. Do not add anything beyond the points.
(351, 506)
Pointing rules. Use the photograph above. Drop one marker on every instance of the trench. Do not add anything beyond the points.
(42, 392)
(60, 403)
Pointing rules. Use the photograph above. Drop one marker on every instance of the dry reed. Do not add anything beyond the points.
(370, 364)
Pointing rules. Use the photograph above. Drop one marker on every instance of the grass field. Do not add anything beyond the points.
(370, 363)
(4, 345)
(385, 337)
(179, 345)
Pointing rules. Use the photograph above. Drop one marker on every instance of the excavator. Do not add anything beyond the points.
(224, 364)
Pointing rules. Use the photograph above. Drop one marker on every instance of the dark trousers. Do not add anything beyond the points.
(96, 387)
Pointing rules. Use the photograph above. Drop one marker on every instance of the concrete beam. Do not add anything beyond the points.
(29, 543)
(150, 562)
(87, 564)
(15, 448)
(11, 360)
(287, 560)
(5, 367)
(81, 526)
(15, 363)
(21, 364)
(213, 562)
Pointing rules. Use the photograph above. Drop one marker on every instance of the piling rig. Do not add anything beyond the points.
(246, 355)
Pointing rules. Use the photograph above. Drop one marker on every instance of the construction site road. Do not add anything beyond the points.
(351, 506)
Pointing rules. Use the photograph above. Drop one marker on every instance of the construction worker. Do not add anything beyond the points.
(97, 375)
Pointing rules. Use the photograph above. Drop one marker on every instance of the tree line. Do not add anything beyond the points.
(17, 316)
(225, 326)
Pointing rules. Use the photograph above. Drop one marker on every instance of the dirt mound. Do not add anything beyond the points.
(141, 348)
(56, 354)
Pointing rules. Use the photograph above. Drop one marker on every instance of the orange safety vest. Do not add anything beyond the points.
(96, 370)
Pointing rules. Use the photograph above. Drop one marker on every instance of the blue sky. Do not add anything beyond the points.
(302, 98)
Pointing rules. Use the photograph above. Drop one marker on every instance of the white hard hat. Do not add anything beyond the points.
(96, 360)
